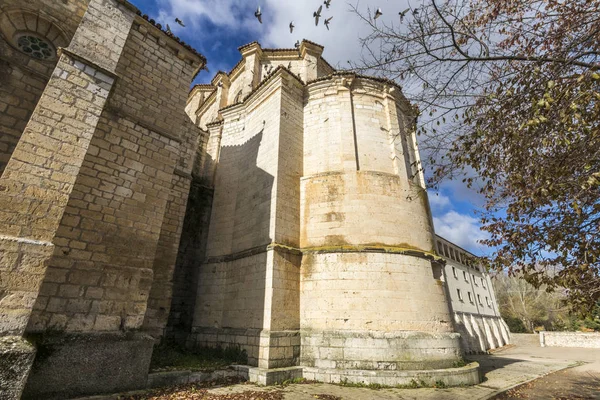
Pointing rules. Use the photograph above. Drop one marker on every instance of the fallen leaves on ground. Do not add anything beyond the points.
(201, 391)
(562, 385)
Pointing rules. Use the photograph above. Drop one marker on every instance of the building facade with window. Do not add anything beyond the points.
(472, 300)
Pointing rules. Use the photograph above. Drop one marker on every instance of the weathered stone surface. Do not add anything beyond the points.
(16, 358)
(80, 364)
(95, 171)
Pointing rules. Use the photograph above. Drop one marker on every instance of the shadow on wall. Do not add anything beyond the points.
(223, 285)
(192, 248)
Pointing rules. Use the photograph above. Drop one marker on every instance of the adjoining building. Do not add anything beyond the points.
(279, 209)
(473, 301)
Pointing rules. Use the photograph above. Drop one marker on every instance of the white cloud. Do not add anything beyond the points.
(221, 13)
(439, 201)
(460, 229)
(341, 41)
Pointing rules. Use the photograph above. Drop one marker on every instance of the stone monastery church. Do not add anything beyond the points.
(277, 210)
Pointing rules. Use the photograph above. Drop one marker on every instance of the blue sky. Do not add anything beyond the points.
(216, 28)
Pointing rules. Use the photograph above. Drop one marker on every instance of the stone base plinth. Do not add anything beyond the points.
(73, 365)
(272, 376)
(385, 351)
(16, 358)
(467, 375)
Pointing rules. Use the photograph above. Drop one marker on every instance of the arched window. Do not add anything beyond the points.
(39, 40)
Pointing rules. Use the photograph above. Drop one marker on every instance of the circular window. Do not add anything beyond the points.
(35, 46)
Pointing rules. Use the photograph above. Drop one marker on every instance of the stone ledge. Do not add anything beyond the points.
(169, 378)
(272, 376)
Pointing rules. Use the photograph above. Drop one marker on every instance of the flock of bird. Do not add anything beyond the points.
(316, 15)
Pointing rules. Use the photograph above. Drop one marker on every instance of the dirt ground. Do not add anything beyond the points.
(562, 385)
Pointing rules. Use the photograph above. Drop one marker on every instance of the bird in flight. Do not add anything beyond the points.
(378, 13)
(297, 44)
(258, 14)
(180, 22)
(327, 21)
(292, 26)
(402, 14)
(317, 15)
(327, 3)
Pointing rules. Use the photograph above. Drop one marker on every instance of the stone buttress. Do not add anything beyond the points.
(93, 191)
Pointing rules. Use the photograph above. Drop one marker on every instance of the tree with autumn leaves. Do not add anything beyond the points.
(509, 99)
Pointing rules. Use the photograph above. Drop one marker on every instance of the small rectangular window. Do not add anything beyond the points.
(454, 272)
(470, 297)
(479, 299)
(465, 276)
(482, 283)
(459, 294)
(474, 281)
(487, 300)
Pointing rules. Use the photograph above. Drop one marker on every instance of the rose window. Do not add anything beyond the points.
(35, 47)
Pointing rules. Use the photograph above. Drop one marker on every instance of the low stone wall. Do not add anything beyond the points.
(525, 339)
(590, 340)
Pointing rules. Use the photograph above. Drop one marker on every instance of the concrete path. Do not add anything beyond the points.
(502, 371)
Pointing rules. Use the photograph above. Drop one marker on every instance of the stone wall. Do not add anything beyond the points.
(94, 195)
(589, 340)
(105, 260)
(246, 284)
(357, 308)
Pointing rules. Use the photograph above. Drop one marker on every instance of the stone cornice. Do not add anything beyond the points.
(326, 249)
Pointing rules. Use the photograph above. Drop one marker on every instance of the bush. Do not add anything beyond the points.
(515, 325)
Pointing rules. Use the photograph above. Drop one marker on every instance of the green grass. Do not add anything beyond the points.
(413, 384)
(459, 364)
(171, 357)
